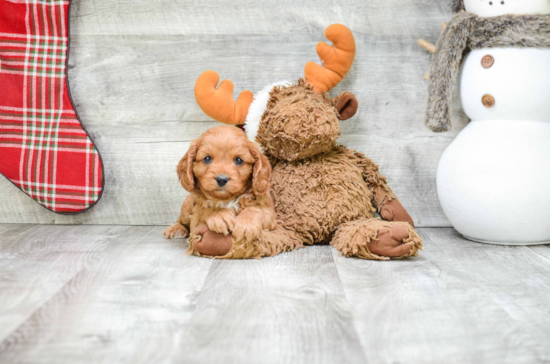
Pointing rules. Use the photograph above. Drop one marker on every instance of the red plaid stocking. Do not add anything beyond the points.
(44, 150)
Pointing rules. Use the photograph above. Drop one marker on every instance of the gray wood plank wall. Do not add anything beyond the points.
(133, 65)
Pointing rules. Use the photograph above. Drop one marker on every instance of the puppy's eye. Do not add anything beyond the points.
(207, 159)
(238, 161)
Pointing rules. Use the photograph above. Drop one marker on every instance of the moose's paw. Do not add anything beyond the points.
(377, 239)
(394, 211)
(391, 242)
(211, 243)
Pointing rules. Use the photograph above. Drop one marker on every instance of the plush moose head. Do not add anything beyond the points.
(290, 121)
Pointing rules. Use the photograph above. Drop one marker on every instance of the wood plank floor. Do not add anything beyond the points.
(120, 294)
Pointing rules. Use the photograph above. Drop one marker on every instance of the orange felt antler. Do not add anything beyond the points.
(218, 102)
(337, 59)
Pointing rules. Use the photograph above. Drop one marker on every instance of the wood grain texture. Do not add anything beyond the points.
(77, 294)
(113, 294)
(459, 302)
(38, 261)
(286, 309)
(133, 65)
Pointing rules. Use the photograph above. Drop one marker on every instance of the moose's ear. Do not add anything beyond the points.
(346, 104)
(185, 167)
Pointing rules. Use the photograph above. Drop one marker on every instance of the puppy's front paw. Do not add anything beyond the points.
(176, 231)
(221, 223)
(250, 223)
(246, 232)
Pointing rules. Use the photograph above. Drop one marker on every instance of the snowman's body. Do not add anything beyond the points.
(493, 180)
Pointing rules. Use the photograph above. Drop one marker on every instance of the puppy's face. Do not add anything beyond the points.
(223, 164)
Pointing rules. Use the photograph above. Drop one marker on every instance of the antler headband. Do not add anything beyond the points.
(218, 103)
(337, 59)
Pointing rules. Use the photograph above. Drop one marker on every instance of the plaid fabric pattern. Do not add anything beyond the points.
(43, 148)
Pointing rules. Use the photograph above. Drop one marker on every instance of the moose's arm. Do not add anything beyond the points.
(384, 200)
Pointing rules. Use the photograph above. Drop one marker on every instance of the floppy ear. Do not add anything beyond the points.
(185, 167)
(346, 104)
(262, 171)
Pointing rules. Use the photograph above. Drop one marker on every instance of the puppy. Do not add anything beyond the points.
(228, 180)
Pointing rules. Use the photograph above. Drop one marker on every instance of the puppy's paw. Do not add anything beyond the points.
(271, 225)
(176, 231)
(221, 223)
(245, 230)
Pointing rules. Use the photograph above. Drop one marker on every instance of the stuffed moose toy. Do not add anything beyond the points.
(322, 192)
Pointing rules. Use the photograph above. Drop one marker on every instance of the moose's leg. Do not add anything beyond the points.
(204, 242)
(377, 239)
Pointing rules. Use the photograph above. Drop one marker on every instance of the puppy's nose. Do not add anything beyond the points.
(222, 180)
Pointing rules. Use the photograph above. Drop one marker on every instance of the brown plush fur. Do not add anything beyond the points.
(467, 31)
(243, 207)
(302, 123)
(323, 192)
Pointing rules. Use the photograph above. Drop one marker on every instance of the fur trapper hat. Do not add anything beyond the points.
(465, 32)
(458, 5)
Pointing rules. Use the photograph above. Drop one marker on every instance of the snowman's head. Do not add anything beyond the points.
(489, 8)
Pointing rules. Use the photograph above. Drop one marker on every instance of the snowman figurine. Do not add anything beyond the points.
(493, 180)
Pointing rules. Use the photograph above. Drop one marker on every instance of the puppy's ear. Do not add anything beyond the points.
(346, 104)
(262, 171)
(185, 167)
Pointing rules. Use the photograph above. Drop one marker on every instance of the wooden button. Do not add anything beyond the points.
(487, 61)
(488, 101)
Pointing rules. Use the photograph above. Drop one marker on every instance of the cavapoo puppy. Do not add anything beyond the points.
(229, 202)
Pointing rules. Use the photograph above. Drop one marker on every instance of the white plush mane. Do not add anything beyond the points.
(257, 109)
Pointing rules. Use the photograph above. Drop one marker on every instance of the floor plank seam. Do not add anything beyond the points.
(354, 318)
(27, 321)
